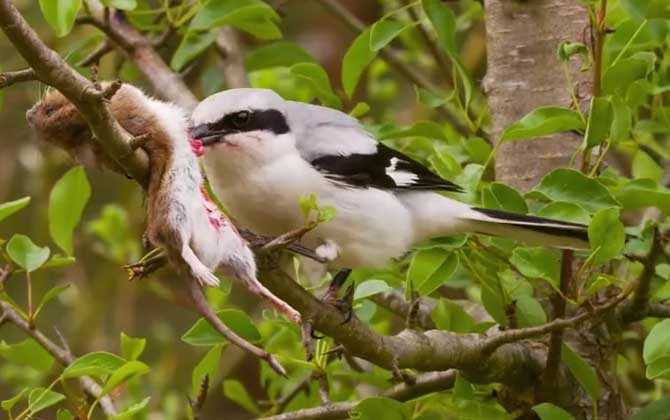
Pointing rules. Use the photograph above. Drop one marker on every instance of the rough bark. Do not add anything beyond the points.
(525, 73)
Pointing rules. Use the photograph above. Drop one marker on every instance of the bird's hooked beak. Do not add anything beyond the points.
(207, 136)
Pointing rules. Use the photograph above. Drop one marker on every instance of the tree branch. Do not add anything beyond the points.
(396, 303)
(141, 52)
(425, 384)
(556, 339)
(62, 355)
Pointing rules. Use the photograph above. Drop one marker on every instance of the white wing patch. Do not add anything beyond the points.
(400, 177)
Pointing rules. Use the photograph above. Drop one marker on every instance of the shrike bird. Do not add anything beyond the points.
(264, 153)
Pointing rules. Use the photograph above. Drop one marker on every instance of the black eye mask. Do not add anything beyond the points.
(239, 122)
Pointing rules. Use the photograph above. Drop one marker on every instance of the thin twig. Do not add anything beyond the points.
(439, 57)
(229, 47)
(94, 57)
(425, 384)
(62, 356)
(10, 77)
(510, 336)
(638, 306)
(206, 311)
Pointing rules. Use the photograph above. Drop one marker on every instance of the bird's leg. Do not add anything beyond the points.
(345, 303)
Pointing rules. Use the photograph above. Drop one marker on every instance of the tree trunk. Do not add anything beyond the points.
(524, 73)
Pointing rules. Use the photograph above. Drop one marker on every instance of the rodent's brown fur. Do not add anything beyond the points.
(57, 121)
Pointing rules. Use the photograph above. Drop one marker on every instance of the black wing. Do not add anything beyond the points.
(385, 169)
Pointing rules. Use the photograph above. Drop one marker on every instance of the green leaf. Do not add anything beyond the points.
(26, 254)
(207, 366)
(430, 268)
(450, 316)
(606, 235)
(11, 207)
(97, 364)
(429, 98)
(568, 49)
(27, 353)
(619, 77)
(126, 372)
(66, 205)
(574, 187)
(355, 60)
(371, 287)
(567, 212)
(121, 4)
(657, 343)
(529, 311)
(644, 166)
(384, 31)
(501, 197)
(132, 348)
(203, 334)
(659, 369)
(360, 109)
(538, 262)
(656, 410)
(42, 398)
(641, 193)
(599, 121)
(253, 16)
(235, 391)
(443, 20)
(548, 411)
(646, 9)
(8, 404)
(478, 149)
(586, 375)
(60, 14)
(59, 261)
(64, 414)
(191, 46)
(318, 79)
(277, 54)
(376, 408)
(130, 412)
(622, 120)
(427, 129)
(49, 296)
(543, 121)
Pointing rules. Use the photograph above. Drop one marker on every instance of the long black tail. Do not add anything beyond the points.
(530, 229)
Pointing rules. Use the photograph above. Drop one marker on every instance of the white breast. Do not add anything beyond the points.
(370, 227)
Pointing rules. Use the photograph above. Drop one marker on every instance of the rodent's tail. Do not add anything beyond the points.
(530, 229)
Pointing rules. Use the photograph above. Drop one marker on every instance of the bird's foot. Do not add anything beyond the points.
(343, 304)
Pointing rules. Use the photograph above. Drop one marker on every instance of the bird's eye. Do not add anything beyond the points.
(241, 119)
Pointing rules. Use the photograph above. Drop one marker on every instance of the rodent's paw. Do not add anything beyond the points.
(294, 316)
(206, 278)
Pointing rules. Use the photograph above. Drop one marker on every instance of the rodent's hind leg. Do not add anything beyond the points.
(202, 274)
